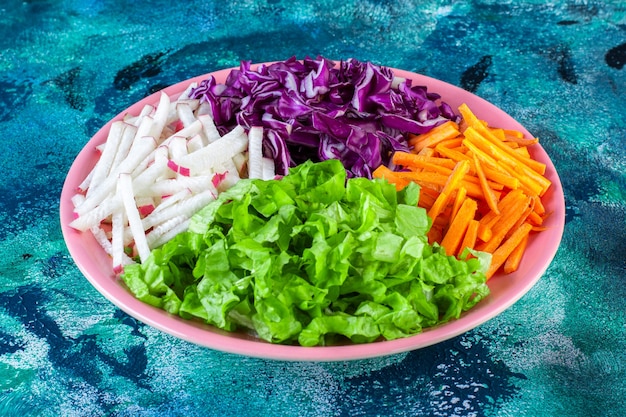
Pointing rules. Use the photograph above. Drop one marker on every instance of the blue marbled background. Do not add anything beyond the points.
(66, 67)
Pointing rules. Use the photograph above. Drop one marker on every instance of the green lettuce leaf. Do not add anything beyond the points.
(309, 259)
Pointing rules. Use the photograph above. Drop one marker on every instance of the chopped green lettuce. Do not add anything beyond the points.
(310, 259)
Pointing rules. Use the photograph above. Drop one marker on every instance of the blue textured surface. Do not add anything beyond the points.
(66, 67)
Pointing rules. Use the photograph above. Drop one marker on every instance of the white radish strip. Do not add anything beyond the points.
(185, 94)
(216, 152)
(175, 185)
(186, 132)
(145, 205)
(172, 116)
(139, 150)
(104, 164)
(229, 166)
(226, 180)
(240, 160)
(135, 120)
(269, 169)
(160, 116)
(96, 215)
(143, 165)
(208, 127)
(123, 148)
(77, 199)
(118, 223)
(172, 199)
(154, 171)
(158, 231)
(195, 143)
(185, 208)
(170, 234)
(177, 147)
(185, 113)
(84, 186)
(125, 191)
(204, 109)
(145, 127)
(103, 240)
(255, 152)
(396, 81)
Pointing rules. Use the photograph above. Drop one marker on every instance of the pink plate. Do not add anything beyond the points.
(95, 264)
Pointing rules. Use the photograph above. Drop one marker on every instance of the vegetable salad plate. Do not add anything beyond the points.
(87, 249)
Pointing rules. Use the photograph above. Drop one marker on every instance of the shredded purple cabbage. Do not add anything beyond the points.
(314, 109)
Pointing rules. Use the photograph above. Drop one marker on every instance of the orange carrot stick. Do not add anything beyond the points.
(455, 233)
(490, 196)
(512, 262)
(476, 124)
(510, 216)
(383, 172)
(461, 194)
(453, 182)
(444, 131)
(471, 235)
(501, 254)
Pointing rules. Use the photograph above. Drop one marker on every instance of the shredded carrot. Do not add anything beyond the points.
(391, 176)
(455, 233)
(501, 254)
(512, 262)
(453, 182)
(480, 186)
(490, 196)
(444, 131)
(471, 235)
(459, 198)
(509, 217)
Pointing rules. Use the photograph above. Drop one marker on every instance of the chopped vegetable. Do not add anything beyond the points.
(156, 170)
(321, 252)
(310, 258)
(312, 109)
(482, 206)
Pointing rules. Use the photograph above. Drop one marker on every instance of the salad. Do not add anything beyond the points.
(311, 202)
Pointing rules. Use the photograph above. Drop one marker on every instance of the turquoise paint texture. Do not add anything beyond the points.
(66, 67)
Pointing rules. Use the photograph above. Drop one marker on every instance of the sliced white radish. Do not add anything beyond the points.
(145, 205)
(187, 207)
(172, 199)
(96, 215)
(156, 234)
(177, 147)
(170, 234)
(217, 152)
(141, 147)
(160, 116)
(225, 180)
(269, 169)
(118, 222)
(145, 127)
(186, 132)
(124, 147)
(156, 170)
(136, 119)
(255, 152)
(185, 94)
(196, 143)
(150, 175)
(104, 164)
(185, 113)
(208, 127)
(125, 192)
(240, 160)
